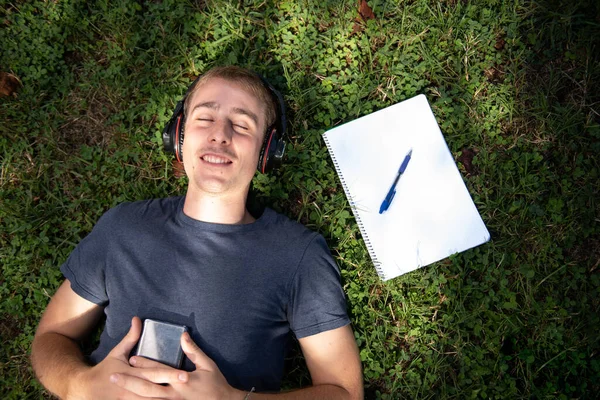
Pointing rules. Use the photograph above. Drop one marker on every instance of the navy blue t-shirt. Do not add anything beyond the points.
(240, 289)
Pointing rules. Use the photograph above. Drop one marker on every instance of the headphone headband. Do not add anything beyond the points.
(273, 148)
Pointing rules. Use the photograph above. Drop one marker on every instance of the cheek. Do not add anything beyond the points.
(188, 146)
(257, 147)
(189, 162)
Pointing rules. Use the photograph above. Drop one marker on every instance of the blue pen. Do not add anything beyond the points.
(390, 196)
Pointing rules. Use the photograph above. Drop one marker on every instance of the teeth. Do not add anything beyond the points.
(215, 160)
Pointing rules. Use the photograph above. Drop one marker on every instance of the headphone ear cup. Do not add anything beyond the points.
(172, 134)
(179, 137)
(279, 151)
(168, 137)
(272, 152)
(263, 158)
(271, 155)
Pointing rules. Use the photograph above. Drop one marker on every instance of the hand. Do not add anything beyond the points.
(206, 382)
(99, 381)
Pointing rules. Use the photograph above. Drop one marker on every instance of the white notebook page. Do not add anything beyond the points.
(432, 214)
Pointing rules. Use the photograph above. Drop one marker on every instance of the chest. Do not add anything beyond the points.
(209, 283)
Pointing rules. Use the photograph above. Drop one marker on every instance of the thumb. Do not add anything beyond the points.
(124, 347)
(195, 354)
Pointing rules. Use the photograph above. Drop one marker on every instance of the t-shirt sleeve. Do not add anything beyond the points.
(85, 267)
(317, 302)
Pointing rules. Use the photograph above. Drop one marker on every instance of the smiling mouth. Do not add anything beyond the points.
(215, 159)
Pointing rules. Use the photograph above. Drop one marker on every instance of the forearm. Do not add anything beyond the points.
(57, 360)
(326, 392)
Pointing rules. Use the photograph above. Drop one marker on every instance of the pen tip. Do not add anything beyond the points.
(410, 152)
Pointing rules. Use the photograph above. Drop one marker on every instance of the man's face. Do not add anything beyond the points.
(224, 132)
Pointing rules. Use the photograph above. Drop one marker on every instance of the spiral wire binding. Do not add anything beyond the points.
(378, 265)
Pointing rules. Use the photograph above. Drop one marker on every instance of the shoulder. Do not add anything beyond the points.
(144, 207)
(297, 241)
(285, 228)
(289, 242)
(144, 211)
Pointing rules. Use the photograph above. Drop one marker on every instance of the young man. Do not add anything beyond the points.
(240, 284)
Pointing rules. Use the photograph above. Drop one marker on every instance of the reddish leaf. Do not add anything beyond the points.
(365, 11)
(357, 28)
(178, 169)
(8, 84)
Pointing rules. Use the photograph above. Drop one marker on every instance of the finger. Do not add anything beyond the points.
(140, 387)
(143, 362)
(195, 354)
(124, 347)
(157, 372)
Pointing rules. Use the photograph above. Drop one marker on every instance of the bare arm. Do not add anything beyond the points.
(55, 353)
(334, 364)
(60, 365)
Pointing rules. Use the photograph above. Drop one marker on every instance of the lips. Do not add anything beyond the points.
(215, 159)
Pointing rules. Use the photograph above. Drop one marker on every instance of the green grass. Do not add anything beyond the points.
(515, 87)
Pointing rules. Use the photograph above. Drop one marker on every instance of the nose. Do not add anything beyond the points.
(221, 133)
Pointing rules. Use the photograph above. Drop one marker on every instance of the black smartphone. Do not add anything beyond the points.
(160, 341)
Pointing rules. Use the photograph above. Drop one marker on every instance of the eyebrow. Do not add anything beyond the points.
(215, 106)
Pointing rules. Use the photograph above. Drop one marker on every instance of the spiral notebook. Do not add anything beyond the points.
(432, 215)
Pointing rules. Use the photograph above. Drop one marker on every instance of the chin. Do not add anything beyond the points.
(216, 186)
(210, 186)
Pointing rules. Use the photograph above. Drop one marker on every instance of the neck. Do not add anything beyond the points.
(216, 209)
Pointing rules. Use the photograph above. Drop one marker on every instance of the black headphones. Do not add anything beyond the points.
(273, 148)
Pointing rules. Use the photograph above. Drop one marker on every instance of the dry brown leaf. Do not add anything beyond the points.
(178, 169)
(357, 28)
(8, 84)
(494, 75)
(365, 11)
(499, 44)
